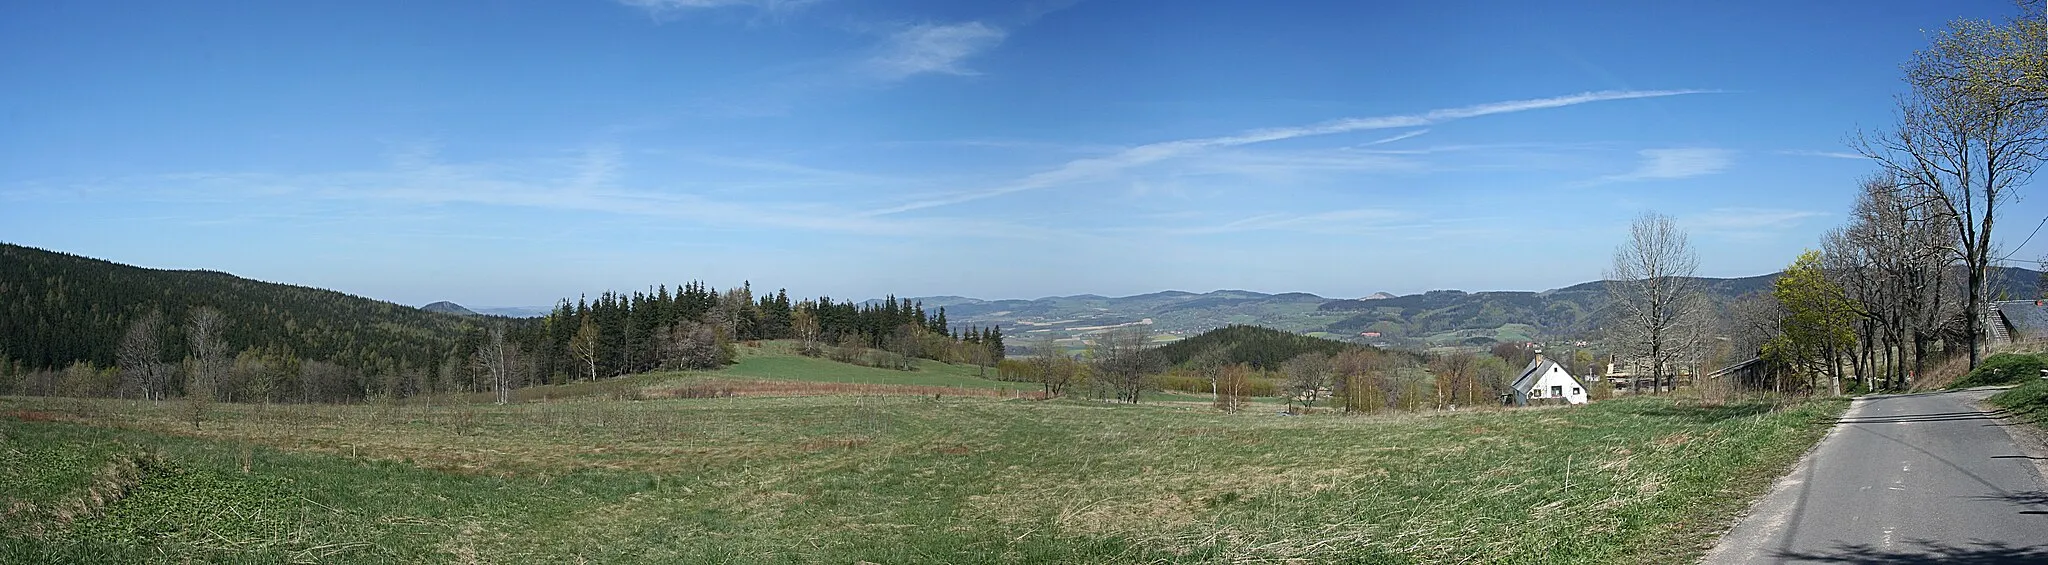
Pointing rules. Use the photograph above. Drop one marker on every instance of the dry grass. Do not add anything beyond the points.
(716, 388)
(1942, 374)
(773, 474)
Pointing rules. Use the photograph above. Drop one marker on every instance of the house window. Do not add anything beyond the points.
(1557, 390)
(1536, 392)
(1576, 391)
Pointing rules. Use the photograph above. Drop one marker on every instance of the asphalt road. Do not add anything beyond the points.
(1917, 478)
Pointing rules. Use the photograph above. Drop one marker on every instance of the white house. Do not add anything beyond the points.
(1546, 381)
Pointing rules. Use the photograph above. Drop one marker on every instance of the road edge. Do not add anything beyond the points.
(2031, 439)
(1736, 540)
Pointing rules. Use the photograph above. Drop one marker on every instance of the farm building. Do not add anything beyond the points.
(1546, 382)
(2015, 321)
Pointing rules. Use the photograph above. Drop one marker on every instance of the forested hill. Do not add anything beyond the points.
(57, 308)
(1263, 348)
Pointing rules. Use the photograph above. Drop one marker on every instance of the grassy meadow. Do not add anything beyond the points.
(813, 472)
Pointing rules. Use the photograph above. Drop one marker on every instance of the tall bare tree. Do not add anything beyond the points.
(1653, 295)
(495, 357)
(209, 359)
(584, 346)
(804, 323)
(1123, 359)
(1971, 128)
(1895, 258)
(141, 357)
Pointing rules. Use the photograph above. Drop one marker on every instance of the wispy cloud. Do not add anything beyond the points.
(1401, 136)
(1662, 164)
(1746, 223)
(600, 165)
(586, 181)
(1101, 167)
(932, 48)
(1828, 154)
(666, 8)
(1334, 221)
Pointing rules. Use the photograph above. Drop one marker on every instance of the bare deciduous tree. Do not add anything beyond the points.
(694, 346)
(495, 357)
(209, 359)
(1894, 258)
(1653, 295)
(1054, 368)
(141, 357)
(1308, 376)
(804, 323)
(584, 346)
(1231, 383)
(1970, 130)
(1123, 359)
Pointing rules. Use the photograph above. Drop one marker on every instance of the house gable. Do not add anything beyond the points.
(1544, 379)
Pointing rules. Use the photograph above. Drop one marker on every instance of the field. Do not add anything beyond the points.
(876, 477)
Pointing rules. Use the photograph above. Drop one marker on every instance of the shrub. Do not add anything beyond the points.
(2003, 368)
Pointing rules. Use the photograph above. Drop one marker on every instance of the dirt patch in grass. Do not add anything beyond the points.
(31, 415)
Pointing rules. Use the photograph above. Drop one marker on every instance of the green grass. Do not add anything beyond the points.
(2028, 402)
(904, 480)
(2002, 369)
(51, 482)
(773, 365)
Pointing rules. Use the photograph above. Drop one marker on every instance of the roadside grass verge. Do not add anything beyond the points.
(907, 479)
(2028, 402)
(2003, 369)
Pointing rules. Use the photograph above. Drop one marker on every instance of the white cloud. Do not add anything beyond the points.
(1662, 164)
(1100, 167)
(932, 48)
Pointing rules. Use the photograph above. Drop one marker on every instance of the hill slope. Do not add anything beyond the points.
(1263, 348)
(446, 307)
(57, 308)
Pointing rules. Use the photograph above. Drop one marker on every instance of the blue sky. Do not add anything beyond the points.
(512, 153)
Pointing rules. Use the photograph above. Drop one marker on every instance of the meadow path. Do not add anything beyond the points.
(1913, 478)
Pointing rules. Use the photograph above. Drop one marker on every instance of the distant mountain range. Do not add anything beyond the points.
(1434, 318)
(446, 307)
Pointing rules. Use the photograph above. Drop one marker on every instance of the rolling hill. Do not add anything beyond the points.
(446, 307)
(56, 308)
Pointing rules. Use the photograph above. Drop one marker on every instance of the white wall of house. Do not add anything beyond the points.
(1551, 384)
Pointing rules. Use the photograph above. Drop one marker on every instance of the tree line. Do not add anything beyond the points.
(1235, 363)
(76, 326)
(696, 326)
(1904, 284)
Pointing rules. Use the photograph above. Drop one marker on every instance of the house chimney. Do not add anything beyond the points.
(1539, 354)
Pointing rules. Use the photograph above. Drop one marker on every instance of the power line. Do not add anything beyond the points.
(2023, 243)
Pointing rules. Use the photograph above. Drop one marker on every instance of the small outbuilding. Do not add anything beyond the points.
(1546, 382)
